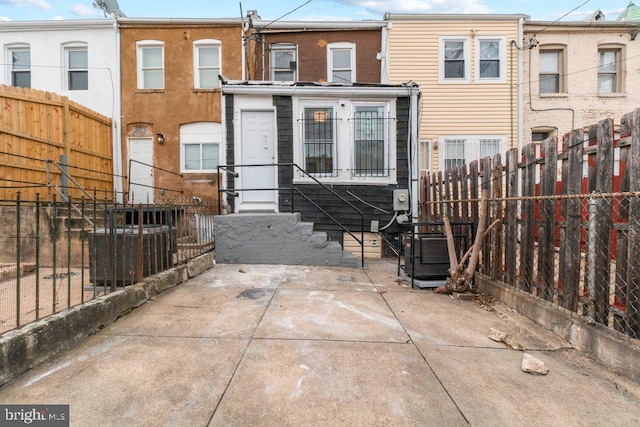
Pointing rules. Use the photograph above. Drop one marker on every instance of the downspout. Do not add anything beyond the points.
(116, 123)
(384, 63)
(262, 38)
(520, 68)
(412, 150)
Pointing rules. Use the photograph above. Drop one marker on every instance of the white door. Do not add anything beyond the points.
(258, 148)
(140, 174)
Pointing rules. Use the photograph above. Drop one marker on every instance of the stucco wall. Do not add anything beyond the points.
(164, 110)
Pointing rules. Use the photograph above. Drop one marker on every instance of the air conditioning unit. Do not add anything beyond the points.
(430, 258)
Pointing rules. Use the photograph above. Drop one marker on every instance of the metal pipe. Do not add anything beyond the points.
(18, 249)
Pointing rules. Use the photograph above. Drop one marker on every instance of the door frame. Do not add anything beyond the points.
(240, 205)
(150, 190)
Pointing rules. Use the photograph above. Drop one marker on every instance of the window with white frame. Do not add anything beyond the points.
(20, 65)
(150, 64)
(491, 63)
(609, 65)
(77, 67)
(319, 140)
(206, 55)
(551, 70)
(284, 62)
(341, 62)
(346, 141)
(454, 60)
(370, 141)
(458, 149)
(200, 146)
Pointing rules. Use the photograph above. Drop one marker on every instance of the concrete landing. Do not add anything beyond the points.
(276, 345)
(275, 238)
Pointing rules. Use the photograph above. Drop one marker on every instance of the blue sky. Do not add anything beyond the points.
(23, 10)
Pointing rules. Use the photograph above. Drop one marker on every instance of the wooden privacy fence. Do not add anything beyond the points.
(570, 218)
(39, 128)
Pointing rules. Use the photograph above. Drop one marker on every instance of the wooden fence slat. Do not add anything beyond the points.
(632, 306)
(511, 254)
(546, 246)
(497, 243)
(528, 217)
(603, 221)
(42, 126)
(572, 185)
(464, 191)
(455, 193)
(622, 241)
(473, 187)
(485, 166)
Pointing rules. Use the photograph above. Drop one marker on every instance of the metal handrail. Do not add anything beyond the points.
(230, 169)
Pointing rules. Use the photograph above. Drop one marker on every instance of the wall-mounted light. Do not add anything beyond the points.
(160, 138)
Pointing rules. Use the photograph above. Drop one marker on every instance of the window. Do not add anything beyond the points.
(206, 64)
(453, 153)
(76, 61)
(284, 65)
(370, 141)
(454, 60)
(200, 146)
(551, 70)
(609, 62)
(491, 61)
(341, 62)
(319, 140)
(541, 133)
(346, 141)
(458, 149)
(20, 60)
(150, 57)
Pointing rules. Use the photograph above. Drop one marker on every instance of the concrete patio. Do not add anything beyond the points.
(283, 345)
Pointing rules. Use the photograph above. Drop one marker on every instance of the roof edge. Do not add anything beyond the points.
(452, 17)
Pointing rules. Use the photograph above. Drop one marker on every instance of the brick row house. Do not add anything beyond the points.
(576, 74)
(361, 106)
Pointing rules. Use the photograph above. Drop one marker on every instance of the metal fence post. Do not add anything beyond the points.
(18, 272)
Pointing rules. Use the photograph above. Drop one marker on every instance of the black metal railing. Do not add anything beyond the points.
(235, 192)
(56, 254)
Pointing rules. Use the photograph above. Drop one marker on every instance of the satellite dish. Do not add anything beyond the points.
(109, 7)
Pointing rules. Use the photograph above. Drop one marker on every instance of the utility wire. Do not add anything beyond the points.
(288, 13)
(563, 16)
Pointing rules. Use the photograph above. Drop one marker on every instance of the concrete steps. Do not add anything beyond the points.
(275, 238)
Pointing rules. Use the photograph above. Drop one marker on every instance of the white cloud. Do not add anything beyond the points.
(39, 4)
(4, 19)
(419, 6)
(82, 10)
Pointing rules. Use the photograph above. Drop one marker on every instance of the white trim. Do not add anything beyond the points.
(471, 146)
(66, 49)
(317, 91)
(502, 56)
(200, 133)
(352, 57)
(140, 45)
(9, 49)
(205, 43)
(466, 56)
(344, 140)
(240, 205)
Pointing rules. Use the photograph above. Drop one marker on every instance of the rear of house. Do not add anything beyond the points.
(354, 139)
